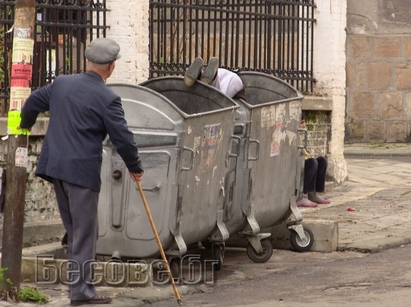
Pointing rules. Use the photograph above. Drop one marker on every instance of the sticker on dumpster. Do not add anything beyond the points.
(21, 157)
(209, 144)
(276, 140)
(268, 116)
(196, 147)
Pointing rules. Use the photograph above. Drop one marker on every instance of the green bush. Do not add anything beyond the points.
(28, 294)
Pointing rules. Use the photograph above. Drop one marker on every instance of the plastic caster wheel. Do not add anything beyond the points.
(218, 254)
(302, 245)
(261, 257)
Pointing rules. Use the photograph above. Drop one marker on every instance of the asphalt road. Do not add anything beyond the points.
(336, 279)
(366, 271)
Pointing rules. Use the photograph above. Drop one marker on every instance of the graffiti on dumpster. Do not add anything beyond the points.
(209, 144)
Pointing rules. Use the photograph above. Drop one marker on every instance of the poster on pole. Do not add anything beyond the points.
(20, 79)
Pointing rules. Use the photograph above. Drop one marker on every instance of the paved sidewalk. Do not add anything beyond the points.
(378, 188)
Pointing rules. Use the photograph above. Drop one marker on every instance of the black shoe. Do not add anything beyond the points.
(64, 244)
(94, 300)
(210, 72)
(194, 71)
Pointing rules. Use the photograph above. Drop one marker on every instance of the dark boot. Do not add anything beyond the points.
(210, 72)
(193, 72)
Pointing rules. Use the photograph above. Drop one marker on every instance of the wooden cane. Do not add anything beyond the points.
(153, 226)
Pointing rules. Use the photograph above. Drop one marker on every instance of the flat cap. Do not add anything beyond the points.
(102, 51)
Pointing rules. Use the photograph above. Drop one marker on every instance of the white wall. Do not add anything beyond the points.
(129, 26)
(329, 70)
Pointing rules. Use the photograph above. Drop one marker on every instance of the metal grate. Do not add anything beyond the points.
(272, 36)
(63, 29)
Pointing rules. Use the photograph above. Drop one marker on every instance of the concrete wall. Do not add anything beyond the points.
(378, 71)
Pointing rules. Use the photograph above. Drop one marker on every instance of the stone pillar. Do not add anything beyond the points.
(329, 70)
(129, 26)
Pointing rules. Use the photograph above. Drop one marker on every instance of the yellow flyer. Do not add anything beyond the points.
(13, 121)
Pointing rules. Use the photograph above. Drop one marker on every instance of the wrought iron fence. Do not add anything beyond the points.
(63, 29)
(270, 36)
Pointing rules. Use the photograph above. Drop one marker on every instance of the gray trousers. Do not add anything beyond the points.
(78, 210)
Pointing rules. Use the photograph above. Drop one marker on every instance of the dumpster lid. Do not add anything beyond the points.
(262, 88)
(145, 108)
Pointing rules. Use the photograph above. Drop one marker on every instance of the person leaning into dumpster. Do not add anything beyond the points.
(315, 170)
(225, 80)
(83, 111)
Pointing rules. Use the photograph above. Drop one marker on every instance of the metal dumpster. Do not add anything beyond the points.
(265, 179)
(184, 139)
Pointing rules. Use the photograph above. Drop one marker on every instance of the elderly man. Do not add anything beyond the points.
(83, 110)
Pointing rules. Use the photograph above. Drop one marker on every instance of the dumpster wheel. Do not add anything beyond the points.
(175, 268)
(302, 245)
(260, 257)
(218, 254)
(206, 244)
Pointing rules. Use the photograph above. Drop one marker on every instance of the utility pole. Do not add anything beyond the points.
(16, 172)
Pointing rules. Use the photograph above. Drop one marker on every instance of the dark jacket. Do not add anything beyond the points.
(83, 110)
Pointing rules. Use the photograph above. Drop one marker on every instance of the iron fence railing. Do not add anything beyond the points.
(271, 36)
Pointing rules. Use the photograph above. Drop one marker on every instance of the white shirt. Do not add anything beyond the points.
(228, 82)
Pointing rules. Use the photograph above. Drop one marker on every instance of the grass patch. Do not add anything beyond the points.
(33, 295)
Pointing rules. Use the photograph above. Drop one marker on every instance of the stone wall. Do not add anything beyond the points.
(378, 71)
(318, 132)
(40, 202)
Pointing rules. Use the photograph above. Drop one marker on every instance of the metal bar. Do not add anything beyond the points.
(297, 43)
(190, 37)
(220, 47)
(184, 36)
(214, 23)
(170, 31)
(177, 34)
(310, 85)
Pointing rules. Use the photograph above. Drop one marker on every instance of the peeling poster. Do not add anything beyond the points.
(276, 140)
(21, 157)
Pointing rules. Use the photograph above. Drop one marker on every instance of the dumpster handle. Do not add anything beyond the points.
(257, 150)
(155, 189)
(191, 159)
(238, 146)
(305, 138)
